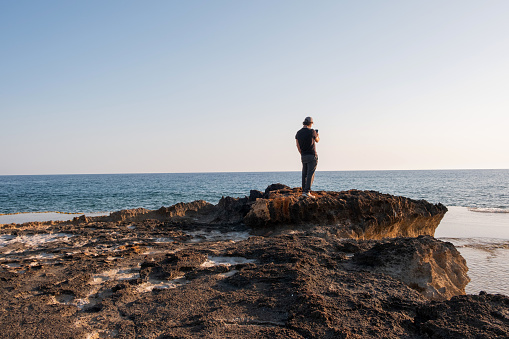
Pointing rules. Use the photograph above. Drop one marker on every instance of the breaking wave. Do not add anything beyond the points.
(488, 210)
(484, 244)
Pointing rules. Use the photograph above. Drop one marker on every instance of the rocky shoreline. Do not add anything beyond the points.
(354, 264)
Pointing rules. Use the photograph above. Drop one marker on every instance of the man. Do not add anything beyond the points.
(306, 139)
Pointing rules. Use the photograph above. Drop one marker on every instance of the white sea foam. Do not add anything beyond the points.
(134, 273)
(488, 210)
(33, 240)
(152, 284)
(131, 274)
(226, 261)
(485, 244)
(115, 274)
(163, 240)
(21, 218)
(97, 292)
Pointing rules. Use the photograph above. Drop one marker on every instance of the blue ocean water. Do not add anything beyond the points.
(110, 192)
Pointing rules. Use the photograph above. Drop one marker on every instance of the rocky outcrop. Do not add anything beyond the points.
(125, 215)
(185, 210)
(353, 214)
(182, 211)
(331, 267)
(156, 279)
(356, 214)
(466, 316)
(434, 268)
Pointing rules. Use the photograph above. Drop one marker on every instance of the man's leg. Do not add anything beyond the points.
(311, 168)
(309, 163)
(304, 174)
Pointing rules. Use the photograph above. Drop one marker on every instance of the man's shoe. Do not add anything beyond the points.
(308, 194)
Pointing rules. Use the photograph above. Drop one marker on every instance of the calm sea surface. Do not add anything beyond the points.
(477, 221)
(99, 193)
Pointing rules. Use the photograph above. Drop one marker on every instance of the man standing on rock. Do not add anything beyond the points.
(306, 139)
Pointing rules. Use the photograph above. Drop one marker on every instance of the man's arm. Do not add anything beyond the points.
(298, 146)
(317, 138)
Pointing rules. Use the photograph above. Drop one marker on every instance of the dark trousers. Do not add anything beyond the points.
(309, 163)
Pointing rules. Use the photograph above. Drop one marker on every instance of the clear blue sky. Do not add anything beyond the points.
(201, 86)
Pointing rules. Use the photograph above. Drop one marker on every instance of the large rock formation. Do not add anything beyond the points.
(352, 214)
(111, 280)
(356, 214)
(434, 268)
(195, 269)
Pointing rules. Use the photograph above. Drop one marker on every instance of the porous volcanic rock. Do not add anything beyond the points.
(105, 282)
(181, 211)
(356, 214)
(434, 268)
(123, 215)
(352, 214)
(465, 316)
(192, 270)
(172, 266)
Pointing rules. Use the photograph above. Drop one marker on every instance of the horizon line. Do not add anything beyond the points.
(296, 171)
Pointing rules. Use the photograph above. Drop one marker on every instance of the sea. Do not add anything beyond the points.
(477, 222)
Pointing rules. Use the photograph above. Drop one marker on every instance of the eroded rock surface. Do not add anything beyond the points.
(355, 214)
(193, 270)
(151, 279)
(434, 268)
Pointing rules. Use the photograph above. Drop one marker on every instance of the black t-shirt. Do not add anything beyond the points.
(306, 138)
